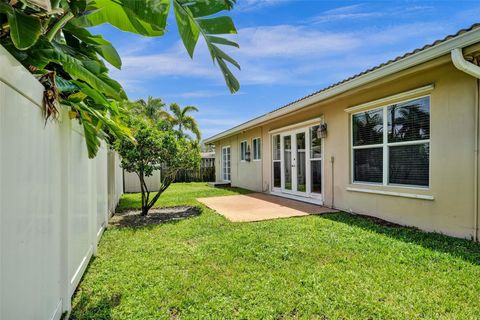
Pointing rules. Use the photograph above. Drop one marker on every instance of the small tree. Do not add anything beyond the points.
(155, 150)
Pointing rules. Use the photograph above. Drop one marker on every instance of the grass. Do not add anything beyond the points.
(335, 266)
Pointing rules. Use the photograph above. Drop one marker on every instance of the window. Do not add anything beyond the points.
(391, 145)
(277, 182)
(243, 150)
(257, 149)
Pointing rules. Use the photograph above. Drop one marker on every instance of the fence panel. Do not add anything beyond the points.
(54, 201)
(206, 174)
(29, 214)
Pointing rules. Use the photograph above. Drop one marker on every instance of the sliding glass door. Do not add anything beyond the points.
(297, 162)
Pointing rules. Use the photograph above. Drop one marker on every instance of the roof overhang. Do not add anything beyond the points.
(466, 39)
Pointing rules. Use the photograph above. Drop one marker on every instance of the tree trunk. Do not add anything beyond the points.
(144, 196)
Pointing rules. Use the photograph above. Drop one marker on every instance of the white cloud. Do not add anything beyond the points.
(172, 63)
(246, 5)
(281, 54)
(346, 16)
(344, 9)
(350, 12)
(362, 11)
(288, 41)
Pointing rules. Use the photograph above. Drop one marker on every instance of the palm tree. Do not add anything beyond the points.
(152, 108)
(181, 119)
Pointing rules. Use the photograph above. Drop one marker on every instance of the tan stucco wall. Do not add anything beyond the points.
(452, 147)
(244, 174)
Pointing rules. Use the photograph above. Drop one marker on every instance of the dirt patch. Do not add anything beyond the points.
(133, 218)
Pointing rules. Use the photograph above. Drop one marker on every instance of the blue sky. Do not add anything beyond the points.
(288, 49)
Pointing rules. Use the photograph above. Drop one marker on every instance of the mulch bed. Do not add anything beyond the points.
(155, 216)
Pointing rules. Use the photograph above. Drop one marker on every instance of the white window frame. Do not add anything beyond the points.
(258, 152)
(243, 153)
(385, 147)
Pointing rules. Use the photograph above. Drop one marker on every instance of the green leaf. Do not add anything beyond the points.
(202, 8)
(189, 24)
(146, 17)
(77, 70)
(217, 25)
(5, 8)
(230, 79)
(90, 133)
(65, 85)
(222, 55)
(94, 94)
(103, 47)
(24, 29)
(219, 40)
(187, 28)
(77, 97)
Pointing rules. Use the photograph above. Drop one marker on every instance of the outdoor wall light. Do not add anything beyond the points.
(322, 131)
(247, 154)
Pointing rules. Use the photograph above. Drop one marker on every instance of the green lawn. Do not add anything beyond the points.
(335, 266)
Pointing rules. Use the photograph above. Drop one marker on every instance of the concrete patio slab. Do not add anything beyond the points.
(260, 206)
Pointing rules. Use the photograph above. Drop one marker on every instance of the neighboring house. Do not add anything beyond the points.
(398, 141)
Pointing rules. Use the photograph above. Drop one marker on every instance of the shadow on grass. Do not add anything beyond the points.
(87, 309)
(460, 248)
(133, 219)
(132, 199)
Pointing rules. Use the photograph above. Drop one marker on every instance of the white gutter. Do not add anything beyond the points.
(463, 65)
(443, 48)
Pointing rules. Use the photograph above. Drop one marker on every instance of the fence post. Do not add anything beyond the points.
(65, 212)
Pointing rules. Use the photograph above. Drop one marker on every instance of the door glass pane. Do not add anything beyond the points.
(276, 147)
(301, 164)
(316, 175)
(287, 156)
(276, 174)
(315, 143)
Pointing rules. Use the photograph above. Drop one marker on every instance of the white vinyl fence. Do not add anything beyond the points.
(132, 182)
(54, 201)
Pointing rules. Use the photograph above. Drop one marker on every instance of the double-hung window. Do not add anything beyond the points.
(257, 148)
(391, 144)
(243, 150)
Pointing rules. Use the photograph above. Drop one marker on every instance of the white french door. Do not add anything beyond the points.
(297, 163)
(294, 164)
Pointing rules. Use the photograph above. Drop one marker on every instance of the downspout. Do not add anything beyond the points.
(463, 65)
